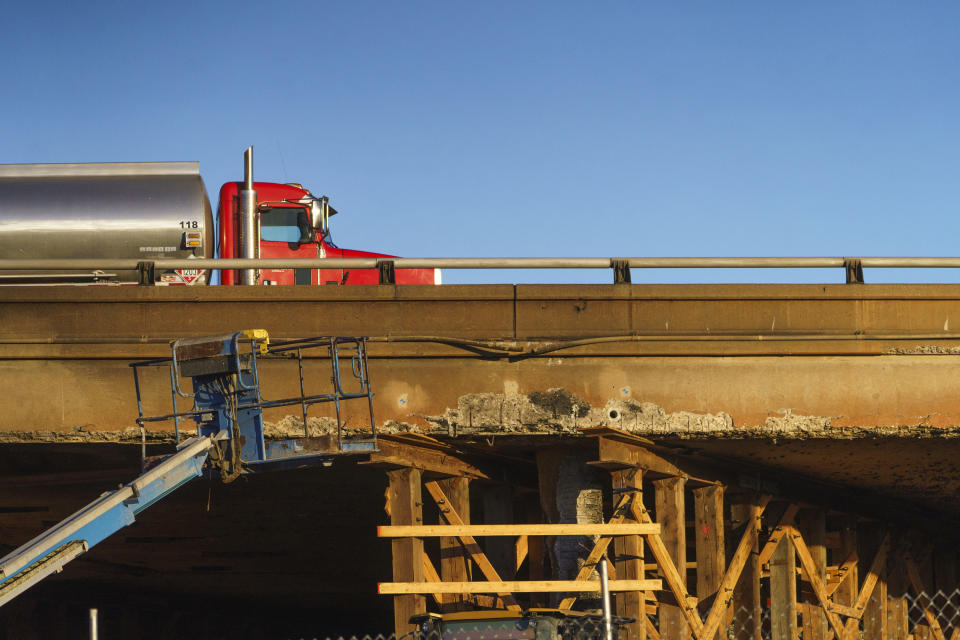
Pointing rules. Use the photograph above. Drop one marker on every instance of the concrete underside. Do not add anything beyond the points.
(853, 387)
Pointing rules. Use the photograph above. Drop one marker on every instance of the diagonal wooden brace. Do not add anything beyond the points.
(469, 542)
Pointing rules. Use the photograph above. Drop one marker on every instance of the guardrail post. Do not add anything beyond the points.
(388, 274)
(147, 273)
(854, 269)
(621, 270)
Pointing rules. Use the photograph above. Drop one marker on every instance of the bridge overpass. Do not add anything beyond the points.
(837, 396)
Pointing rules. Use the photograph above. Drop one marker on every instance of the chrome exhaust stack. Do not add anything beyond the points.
(249, 221)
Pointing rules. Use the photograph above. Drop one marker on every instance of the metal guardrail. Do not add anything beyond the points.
(621, 266)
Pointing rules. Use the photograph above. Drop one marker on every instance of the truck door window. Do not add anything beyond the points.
(279, 224)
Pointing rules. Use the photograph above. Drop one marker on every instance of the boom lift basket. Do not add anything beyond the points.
(228, 404)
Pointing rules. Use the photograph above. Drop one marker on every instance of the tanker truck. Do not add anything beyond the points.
(151, 210)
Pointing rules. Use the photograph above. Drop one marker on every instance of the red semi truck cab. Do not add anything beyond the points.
(287, 228)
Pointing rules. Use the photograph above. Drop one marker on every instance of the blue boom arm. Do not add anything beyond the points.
(50, 551)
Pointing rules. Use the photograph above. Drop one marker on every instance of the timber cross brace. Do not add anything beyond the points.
(761, 567)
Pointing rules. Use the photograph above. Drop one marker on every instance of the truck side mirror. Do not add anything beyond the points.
(320, 213)
(316, 214)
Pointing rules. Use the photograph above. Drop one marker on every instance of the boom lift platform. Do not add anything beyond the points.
(228, 412)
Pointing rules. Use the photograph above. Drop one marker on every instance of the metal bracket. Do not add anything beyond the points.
(147, 273)
(854, 269)
(621, 270)
(388, 274)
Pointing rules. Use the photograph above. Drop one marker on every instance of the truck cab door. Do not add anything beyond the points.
(280, 235)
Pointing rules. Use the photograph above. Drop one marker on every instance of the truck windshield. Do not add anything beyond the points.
(279, 224)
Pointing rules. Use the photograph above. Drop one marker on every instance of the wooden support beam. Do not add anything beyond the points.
(470, 544)
(516, 586)
(923, 600)
(810, 568)
(621, 450)
(898, 621)
(426, 454)
(745, 551)
(846, 593)
(406, 508)
(783, 591)
(430, 575)
(873, 539)
(668, 570)
(671, 516)
(599, 528)
(709, 543)
(628, 558)
(840, 575)
(455, 565)
(745, 597)
(779, 531)
(812, 524)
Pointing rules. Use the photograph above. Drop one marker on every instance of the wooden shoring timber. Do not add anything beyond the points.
(620, 449)
(848, 567)
(832, 609)
(737, 562)
(668, 571)
(516, 586)
(520, 551)
(783, 591)
(812, 525)
(628, 558)
(778, 532)
(426, 454)
(430, 575)
(810, 568)
(599, 548)
(432, 531)
(670, 500)
(455, 563)
(709, 542)
(913, 574)
(745, 598)
(406, 508)
(451, 515)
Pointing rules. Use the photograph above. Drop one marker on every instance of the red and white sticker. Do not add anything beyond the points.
(190, 276)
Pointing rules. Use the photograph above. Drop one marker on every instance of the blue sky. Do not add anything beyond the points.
(527, 129)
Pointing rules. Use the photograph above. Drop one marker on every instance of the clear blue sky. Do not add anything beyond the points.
(527, 129)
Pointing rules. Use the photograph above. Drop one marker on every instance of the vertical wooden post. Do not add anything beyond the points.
(454, 560)
(812, 524)
(896, 589)
(897, 621)
(847, 592)
(671, 516)
(875, 615)
(406, 507)
(747, 615)
(629, 558)
(783, 591)
(710, 545)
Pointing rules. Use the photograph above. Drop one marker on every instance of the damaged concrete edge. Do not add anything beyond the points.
(554, 412)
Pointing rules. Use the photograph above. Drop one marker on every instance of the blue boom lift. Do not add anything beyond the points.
(228, 412)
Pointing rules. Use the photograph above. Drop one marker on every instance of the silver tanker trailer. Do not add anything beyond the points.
(108, 210)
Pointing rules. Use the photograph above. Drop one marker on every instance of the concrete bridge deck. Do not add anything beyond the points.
(842, 395)
(727, 368)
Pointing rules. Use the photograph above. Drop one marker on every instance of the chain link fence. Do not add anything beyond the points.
(906, 617)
